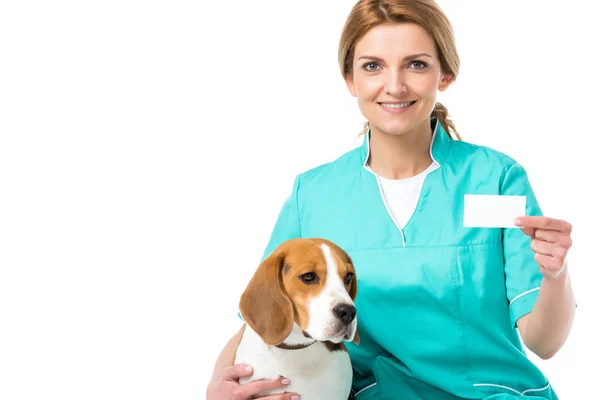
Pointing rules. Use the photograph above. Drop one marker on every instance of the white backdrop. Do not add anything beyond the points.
(147, 146)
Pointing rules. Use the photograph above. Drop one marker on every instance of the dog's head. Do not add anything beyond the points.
(310, 282)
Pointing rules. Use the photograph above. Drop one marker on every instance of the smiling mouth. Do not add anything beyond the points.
(395, 106)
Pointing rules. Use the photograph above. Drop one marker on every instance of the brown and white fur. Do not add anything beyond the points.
(298, 309)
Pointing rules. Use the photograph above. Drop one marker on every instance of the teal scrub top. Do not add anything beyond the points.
(437, 302)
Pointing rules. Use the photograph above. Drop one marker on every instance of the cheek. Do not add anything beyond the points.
(425, 86)
(367, 88)
(302, 315)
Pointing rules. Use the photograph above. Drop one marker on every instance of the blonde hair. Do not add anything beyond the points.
(367, 14)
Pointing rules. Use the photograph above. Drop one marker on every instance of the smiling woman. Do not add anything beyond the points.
(396, 205)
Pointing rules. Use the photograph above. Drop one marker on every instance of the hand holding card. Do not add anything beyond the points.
(550, 242)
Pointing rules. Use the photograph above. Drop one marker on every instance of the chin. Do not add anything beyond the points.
(393, 128)
(398, 125)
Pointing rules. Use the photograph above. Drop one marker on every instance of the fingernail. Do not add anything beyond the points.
(285, 381)
(248, 368)
(517, 221)
(295, 397)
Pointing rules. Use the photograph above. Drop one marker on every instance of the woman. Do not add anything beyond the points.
(439, 304)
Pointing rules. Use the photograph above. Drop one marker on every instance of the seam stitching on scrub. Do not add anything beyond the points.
(365, 388)
(498, 386)
(460, 317)
(381, 195)
(435, 129)
(511, 389)
(385, 203)
(536, 390)
(427, 247)
(523, 294)
(504, 176)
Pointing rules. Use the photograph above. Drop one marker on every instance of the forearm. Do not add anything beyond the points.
(227, 356)
(547, 327)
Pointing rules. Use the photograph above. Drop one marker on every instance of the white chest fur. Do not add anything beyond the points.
(315, 372)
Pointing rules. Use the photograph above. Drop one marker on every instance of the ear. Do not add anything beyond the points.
(350, 84)
(445, 81)
(264, 305)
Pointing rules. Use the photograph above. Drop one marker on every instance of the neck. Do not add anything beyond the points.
(296, 340)
(400, 156)
(293, 346)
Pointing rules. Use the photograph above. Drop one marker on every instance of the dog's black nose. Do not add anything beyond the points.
(345, 312)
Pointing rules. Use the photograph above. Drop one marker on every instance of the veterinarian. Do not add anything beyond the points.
(440, 305)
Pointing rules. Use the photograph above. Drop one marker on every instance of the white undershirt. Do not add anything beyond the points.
(402, 195)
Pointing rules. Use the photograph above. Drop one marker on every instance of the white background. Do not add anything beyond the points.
(147, 147)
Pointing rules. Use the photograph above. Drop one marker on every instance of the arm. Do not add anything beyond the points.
(224, 384)
(546, 328)
(538, 284)
(227, 356)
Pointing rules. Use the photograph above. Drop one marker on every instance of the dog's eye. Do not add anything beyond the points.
(309, 277)
(348, 278)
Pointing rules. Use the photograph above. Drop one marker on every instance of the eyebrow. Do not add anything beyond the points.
(405, 58)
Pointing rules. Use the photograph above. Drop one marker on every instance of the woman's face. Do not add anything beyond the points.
(396, 76)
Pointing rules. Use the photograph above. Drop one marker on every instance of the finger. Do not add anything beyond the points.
(542, 247)
(554, 237)
(544, 223)
(235, 372)
(265, 385)
(529, 231)
(283, 396)
(547, 236)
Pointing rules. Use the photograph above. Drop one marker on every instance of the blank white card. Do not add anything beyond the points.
(492, 211)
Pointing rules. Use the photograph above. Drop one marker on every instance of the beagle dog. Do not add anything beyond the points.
(299, 308)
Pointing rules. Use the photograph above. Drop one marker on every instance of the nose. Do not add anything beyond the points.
(345, 312)
(394, 83)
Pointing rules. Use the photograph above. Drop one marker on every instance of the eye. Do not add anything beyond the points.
(367, 66)
(416, 64)
(309, 278)
(348, 278)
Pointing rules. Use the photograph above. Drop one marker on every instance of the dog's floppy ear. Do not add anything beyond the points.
(264, 305)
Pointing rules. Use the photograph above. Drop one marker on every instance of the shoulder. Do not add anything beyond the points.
(472, 155)
(345, 165)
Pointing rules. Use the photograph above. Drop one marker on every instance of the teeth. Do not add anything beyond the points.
(400, 105)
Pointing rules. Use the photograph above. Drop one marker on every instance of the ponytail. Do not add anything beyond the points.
(366, 127)
(441, 113)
